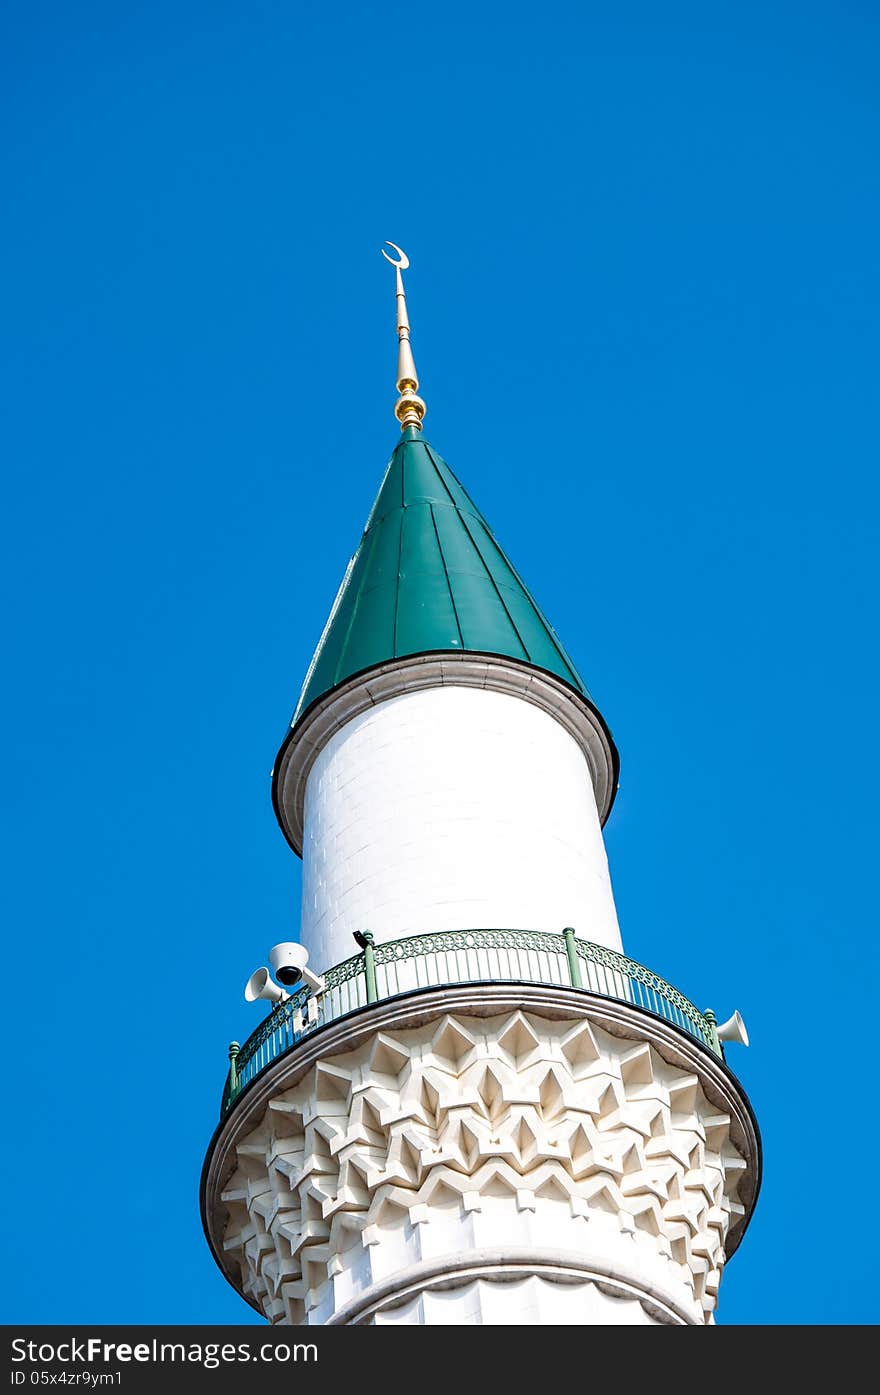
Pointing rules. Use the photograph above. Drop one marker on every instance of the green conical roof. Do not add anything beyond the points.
(428, 575)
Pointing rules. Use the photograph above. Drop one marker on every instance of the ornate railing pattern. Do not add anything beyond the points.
(460, 956)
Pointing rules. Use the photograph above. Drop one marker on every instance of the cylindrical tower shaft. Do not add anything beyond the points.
(447, 808)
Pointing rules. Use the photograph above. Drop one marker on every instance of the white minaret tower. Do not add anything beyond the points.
(471, 1107)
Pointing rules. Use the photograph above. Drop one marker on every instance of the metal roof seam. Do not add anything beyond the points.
(354, 610)
(446, 574)
(497, 589)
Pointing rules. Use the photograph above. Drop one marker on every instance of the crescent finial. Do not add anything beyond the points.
(409, 408)
(404, 259)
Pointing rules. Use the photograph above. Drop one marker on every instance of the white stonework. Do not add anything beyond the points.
(483, 1166)
(530, 1302)
(450, 808)
(497, 673)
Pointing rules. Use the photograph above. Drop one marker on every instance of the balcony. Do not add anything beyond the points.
(453, 957)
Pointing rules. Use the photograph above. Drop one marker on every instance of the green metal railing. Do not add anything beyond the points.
(460, 956)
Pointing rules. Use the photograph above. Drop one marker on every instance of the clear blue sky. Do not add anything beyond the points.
(644, 298)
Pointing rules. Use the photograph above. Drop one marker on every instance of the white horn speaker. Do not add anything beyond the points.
(734, 1029)
(260, 985)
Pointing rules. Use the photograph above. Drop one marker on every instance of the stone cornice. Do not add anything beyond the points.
(510, 1263)
(406, 675)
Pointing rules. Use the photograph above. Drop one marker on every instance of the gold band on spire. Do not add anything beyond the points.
(409, 409)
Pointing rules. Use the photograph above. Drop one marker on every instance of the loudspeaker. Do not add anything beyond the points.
(288, 960)
(734, 1029)
(260, 985)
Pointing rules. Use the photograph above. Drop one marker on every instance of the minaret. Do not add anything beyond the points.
(471, 1107)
